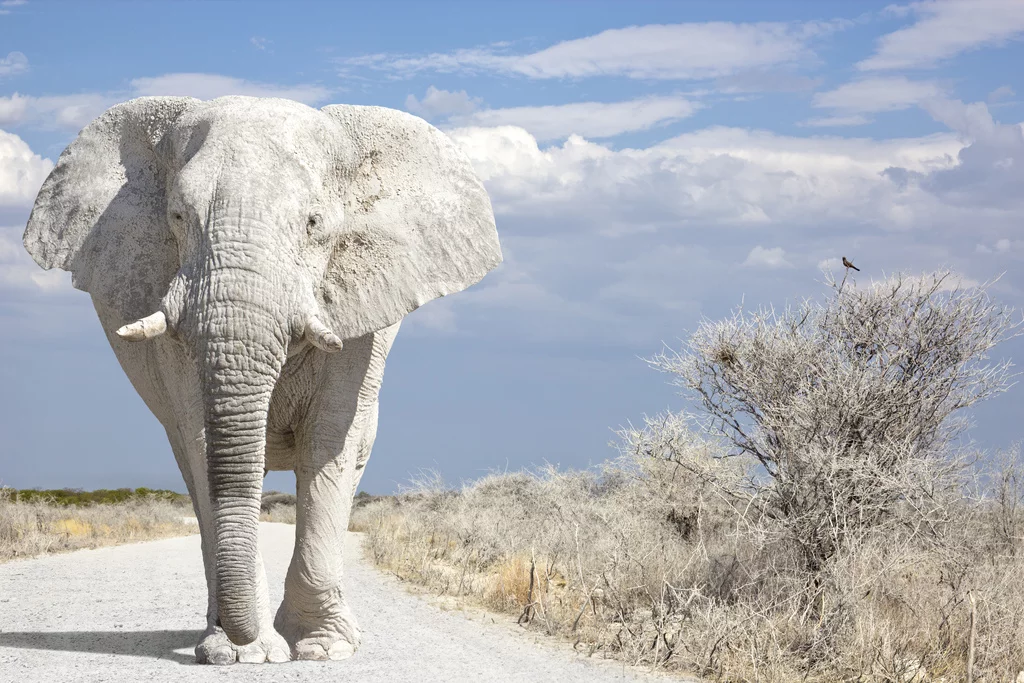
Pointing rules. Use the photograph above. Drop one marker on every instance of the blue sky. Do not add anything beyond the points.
(649, 163)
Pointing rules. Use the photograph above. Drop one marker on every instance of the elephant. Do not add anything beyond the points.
(250, 261)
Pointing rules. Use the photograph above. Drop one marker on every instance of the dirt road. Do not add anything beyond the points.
(133, 613)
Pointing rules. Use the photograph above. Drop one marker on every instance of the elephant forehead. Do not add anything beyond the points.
(258, 121)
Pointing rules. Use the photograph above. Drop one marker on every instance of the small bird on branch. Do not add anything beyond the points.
(850, 265)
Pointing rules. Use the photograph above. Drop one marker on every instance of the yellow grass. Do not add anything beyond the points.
(34, 528)
(616, 574)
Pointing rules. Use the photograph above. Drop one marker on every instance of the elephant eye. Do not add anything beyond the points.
(176, 216)
(313, 222)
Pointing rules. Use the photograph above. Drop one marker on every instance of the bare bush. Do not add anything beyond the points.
(843, 411)
(650, 563)
(821, 523)
(271, 498)
(281, 513)
(277, 507)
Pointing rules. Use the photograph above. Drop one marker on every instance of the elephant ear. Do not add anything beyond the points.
(101, 212)
(418, 222)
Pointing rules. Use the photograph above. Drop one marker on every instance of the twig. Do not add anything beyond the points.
(970, 642)
(525, 616)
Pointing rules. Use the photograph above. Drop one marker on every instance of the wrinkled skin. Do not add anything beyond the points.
(250, 261)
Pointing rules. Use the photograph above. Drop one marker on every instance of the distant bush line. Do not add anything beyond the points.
(81, 498)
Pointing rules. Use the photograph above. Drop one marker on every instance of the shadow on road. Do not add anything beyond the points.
(157, 644)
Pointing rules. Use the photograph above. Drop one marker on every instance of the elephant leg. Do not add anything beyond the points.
(167, 382)
(214, 646)
(334, 446)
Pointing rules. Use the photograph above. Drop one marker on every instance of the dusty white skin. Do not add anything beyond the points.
(250, 261)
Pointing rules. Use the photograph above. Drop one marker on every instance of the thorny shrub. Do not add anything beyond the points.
(816, 518)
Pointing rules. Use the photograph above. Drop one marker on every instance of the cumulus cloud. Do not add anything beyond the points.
(72, 112)
(13, 64)
(760, 257)
(836, 121)
(871, 95)
(990, 168)
(947, 28)
(588, 119)
(19, 272)
(721, 175)
(630, 239)
(697, 50)
(209, 86)
(440, 103)
(22, 172)
(1003, 92)
(1000, 246)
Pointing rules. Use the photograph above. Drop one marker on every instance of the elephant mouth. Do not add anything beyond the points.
(151, 326)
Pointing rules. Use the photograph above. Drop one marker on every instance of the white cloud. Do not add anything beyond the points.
(990, 167)
(75, 111)
(945, 29)
(878, 94)
(439, 103)
(22, 172)
(1001, 93)
(657, 51)
(833, 264)
(209, 86)
(588, 119)
(1001, 246)
(760, 257)
(19, 272)
(601, 239)
(13, 64)
(61, 111)
(717, 175)
(435, 318)
(259, 42)
(836, 121)
(7, 4)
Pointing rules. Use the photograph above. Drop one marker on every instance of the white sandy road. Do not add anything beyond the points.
(133, 612)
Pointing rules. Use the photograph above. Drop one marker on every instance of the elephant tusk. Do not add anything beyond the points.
(321, 336)
(144, 328)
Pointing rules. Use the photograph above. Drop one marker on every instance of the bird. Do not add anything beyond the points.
(850, 265)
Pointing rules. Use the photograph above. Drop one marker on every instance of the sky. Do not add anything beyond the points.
(650, 164)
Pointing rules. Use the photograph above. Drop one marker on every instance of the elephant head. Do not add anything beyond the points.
(246, 230)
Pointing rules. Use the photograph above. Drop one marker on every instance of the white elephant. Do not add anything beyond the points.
(250, 261)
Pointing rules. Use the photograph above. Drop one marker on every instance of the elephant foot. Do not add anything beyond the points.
(323, 648)
(216, 648)
(319, 634)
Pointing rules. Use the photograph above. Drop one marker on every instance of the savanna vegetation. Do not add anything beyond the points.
(80, 497)
(38, 521)
(816, 513)
(33, 522)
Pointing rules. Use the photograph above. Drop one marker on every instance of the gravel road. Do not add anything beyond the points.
(133, 612)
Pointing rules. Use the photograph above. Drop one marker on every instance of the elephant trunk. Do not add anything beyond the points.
(242, 350)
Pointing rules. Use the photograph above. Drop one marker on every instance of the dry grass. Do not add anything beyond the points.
(637, 564)
(280, 513)
(37, 527)
(823, 523)
(277, 507)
